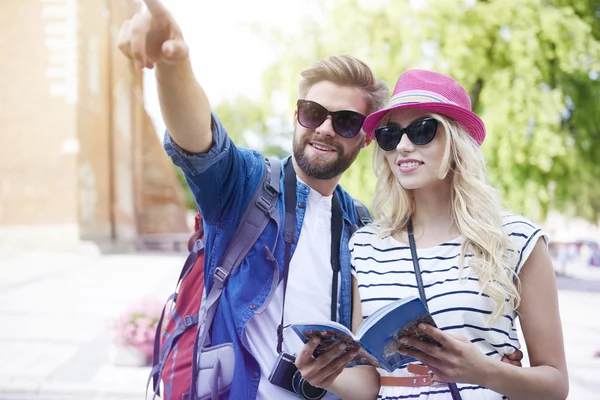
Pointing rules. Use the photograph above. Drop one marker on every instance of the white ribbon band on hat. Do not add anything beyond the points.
(418, 96)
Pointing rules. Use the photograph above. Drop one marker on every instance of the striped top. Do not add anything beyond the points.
(384, 272)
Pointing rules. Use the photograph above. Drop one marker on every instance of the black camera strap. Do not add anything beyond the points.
(289, 233)
(415, 259)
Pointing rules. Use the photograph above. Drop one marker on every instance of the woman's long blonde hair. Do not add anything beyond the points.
(476, 212)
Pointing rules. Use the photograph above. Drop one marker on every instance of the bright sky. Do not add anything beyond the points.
(228, 58)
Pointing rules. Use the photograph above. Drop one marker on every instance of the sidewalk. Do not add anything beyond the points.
(581, 329)
(56, 311)
(579, 270)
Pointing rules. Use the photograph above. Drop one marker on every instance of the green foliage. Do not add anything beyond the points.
(531, 67)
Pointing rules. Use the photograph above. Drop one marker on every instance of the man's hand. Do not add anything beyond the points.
(321, 372)
(514, 358)
(152, 37)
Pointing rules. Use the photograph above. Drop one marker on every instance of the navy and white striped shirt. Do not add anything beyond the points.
(384, 271)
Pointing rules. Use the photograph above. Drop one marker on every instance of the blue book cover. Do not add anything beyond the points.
(377, 340)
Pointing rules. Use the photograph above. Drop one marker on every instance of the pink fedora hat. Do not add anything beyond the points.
(430, 91)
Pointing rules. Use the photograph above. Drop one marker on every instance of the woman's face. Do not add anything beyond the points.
(415, 166)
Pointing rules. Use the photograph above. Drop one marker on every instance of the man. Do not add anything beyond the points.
(335, 96)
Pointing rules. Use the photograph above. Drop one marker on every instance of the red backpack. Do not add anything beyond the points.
(174, 356)
(177, 341)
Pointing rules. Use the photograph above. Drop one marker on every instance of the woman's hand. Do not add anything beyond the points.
(322, 371)
(458, 360)
(513, 358)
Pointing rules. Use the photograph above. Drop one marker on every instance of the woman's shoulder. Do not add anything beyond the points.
(517, 226)
(523, 234)
(369, 233)
(369, 230)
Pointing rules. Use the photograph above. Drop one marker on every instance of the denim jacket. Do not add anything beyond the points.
(222, 181)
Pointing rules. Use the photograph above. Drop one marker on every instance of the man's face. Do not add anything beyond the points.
(320, 152)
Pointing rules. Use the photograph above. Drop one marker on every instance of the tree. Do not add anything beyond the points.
(531, 67)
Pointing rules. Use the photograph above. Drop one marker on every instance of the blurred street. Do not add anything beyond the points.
(85, 180)
(57, 310)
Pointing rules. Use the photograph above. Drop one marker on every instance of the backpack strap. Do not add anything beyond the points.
(363, 216)
(260, 210)
(159, 355)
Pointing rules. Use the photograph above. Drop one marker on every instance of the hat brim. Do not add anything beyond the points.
(468, 119)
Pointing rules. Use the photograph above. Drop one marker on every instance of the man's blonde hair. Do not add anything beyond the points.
(346, 71)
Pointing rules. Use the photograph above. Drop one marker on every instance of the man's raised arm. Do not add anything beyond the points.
(153, 38)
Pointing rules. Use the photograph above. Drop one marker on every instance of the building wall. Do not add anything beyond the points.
(75, 130)
(38, 158)
(94, 170)
(162, 196)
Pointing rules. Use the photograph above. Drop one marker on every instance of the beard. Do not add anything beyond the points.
(323, 167)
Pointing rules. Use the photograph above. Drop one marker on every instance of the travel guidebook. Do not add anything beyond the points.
(378, 338)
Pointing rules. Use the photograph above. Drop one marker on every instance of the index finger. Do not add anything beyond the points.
(156, 8)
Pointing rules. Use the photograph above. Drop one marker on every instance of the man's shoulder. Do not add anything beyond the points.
(346, 200)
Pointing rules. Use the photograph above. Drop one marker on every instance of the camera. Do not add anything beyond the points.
(285, 374)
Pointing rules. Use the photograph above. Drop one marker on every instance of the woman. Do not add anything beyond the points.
(480, 267)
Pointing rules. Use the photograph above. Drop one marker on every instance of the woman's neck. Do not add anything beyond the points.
(433, 222)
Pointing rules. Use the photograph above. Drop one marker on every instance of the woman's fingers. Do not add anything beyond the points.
(421, 356)
(425, 347)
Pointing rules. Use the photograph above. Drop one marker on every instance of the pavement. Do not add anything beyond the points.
(57, 310)
(56, 313)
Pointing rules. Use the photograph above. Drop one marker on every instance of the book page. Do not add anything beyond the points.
(331, 337)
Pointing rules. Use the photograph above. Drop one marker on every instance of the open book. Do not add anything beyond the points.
(378, 338)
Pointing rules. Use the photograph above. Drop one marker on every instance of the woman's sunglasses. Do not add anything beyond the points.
(345, 123)
(420, 132)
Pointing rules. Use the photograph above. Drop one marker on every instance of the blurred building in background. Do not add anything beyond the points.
(80, 159)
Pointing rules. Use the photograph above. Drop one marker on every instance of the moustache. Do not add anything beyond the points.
(328, 142)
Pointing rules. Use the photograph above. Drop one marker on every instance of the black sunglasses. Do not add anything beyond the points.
(345, 123)
(420, 132)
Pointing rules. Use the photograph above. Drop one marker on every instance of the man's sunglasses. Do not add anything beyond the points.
(420, 132)
(345, 123)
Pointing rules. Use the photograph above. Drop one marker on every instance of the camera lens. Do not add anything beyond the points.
(305, 389)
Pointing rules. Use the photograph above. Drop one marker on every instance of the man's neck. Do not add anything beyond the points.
(324, 187)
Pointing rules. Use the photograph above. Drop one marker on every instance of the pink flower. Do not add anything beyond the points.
(137, 326)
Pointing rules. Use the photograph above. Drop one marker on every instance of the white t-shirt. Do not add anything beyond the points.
(308, 295)
(384, 271)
